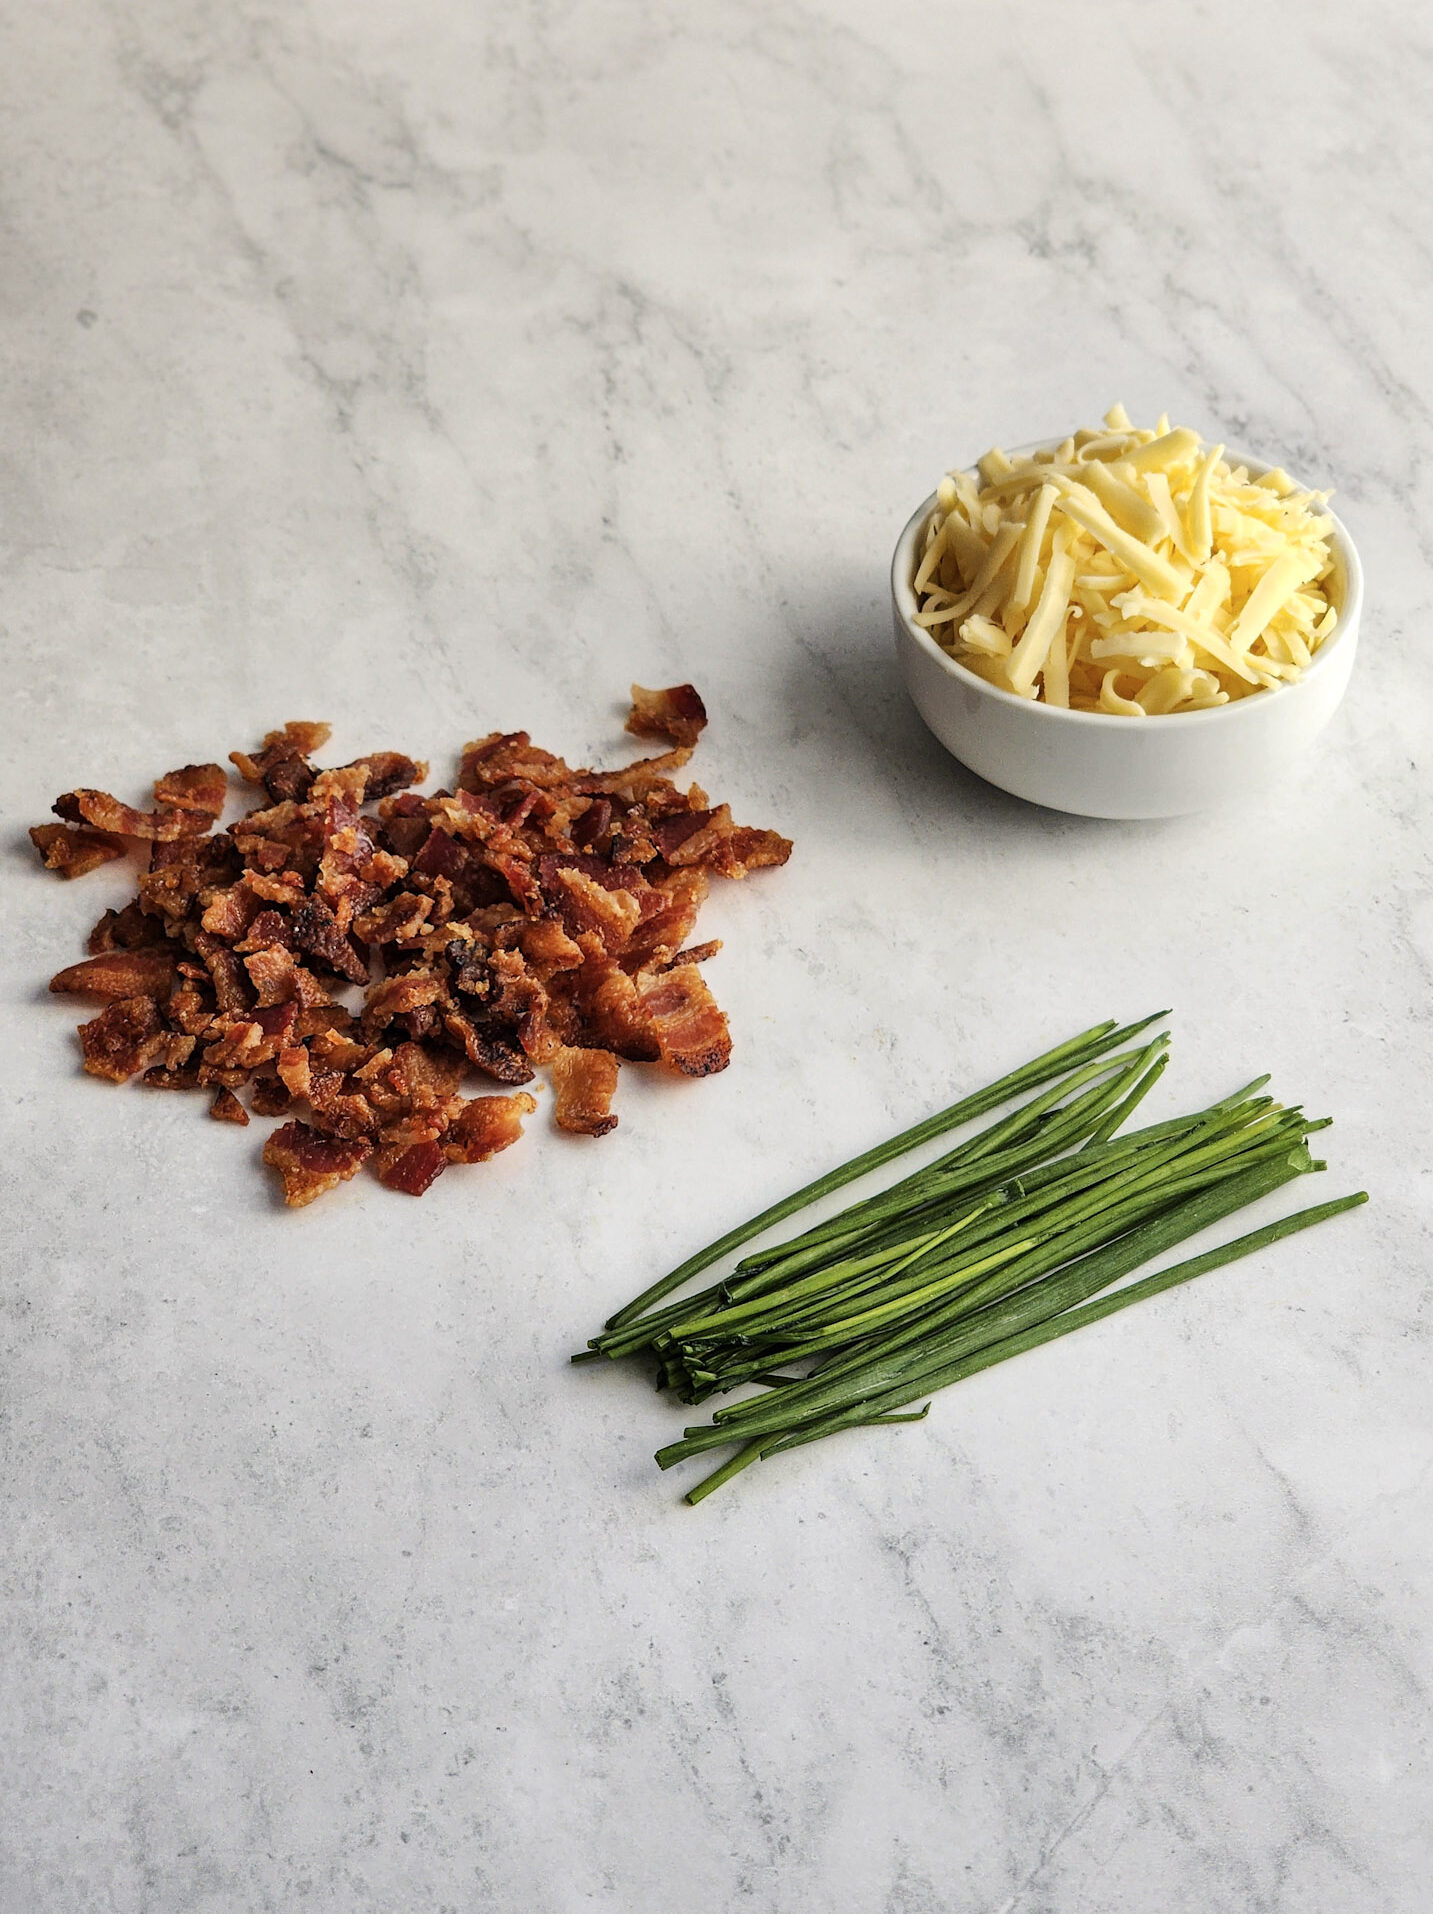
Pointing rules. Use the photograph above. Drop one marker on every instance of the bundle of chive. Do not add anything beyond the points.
(998, 1246)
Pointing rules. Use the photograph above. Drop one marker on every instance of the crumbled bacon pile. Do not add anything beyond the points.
(537, 915)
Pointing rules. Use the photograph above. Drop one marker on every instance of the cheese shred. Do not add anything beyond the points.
(1130, 570)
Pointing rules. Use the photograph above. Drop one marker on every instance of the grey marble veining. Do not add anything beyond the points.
(442, 367)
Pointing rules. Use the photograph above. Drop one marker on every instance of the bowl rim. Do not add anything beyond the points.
(904, 599)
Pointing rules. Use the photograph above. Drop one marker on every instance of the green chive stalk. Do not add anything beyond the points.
(1091, 1043)
(1002, 1244)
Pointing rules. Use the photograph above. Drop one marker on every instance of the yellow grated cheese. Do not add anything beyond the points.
(1128, 570)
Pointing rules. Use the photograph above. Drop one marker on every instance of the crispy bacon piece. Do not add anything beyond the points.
(197, 789)
(73, 853)
(123, 1039)
(309, 1164)
(502, 756)
(538, 916)
(417, 1076)
(337, 1110)
(270, 930)
(751, 850)
(229, 912)
(611, 1012)
(275, 976)
(107, 814)
(547, 948)
(276, 887)
(585, 1081)
(639, 783)
(226, 972)
(676, 713)
(316, 930)
(401, 920)
(281, 764)
(244, 1042)
(269, 1096)
(183, 1075)
(681, 896)
(410, 1159)
(119, 973)
(396, 996)
(496, 1056)
(127, 929)
(486, 1125)
(387, 772)
(681, 1013)
(612, 915)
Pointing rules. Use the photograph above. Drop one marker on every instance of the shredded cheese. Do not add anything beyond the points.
(1128, 570)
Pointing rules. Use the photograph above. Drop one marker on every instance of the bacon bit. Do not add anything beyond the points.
(337, 1050)
(425, 1076)
(269, 1096)
(274, 975)
(182, 1076)
(226, 972)
(177, 1052)
(320, 1017)
(402, 920)
(637, 783)
(107, 814)
(124, 1038)
(199, 789)
(282, 765)
(269, 931)
(168, 893)
(496, 1057)
(295, 1070)
(502, 756)
(277, 1021)
(538, 915)
(707, 844)
(119, 973)
(592, 825)
(410, 1167)
(388, 771)
(127, 929)
(337, 1111)
(309, 1163)
(191, 1007)
(442, 856)
(615, 1016)
(677, 713)
(682, 1014)
(611, 915)
(73, 853)
(486, 1125)
(285, 888)
(226, 1108)
(753, 850)
(239, 1043)
(681, 896)
(229, 913)
(296, 740)
(547, 948)
(397, 995)
(585, 1082)
(316, 930)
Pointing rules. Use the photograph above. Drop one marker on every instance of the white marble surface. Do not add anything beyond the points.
(438, 367)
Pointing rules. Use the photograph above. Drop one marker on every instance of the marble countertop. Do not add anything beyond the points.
(439, 368)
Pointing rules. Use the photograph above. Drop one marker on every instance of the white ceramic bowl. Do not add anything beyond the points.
(1100, 765)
